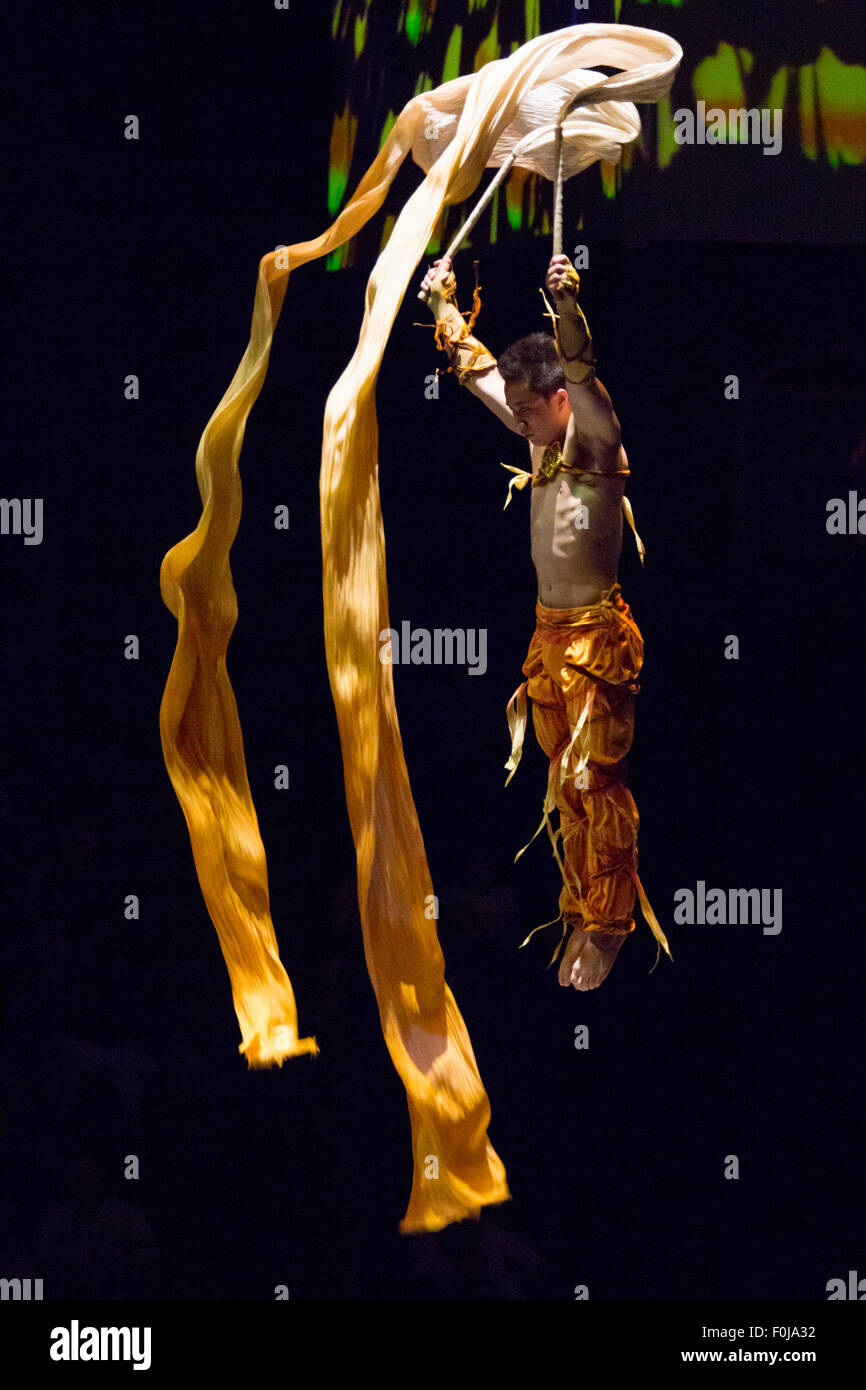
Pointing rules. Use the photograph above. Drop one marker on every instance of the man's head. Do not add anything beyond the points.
(535, 388)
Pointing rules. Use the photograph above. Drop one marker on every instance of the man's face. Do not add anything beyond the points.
(542, 419)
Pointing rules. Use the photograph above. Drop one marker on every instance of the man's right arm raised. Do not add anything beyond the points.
(489, 387)
(472, 364)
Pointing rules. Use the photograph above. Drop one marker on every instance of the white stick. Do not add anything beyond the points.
(532, 138)
(557, 195)
(475, 213)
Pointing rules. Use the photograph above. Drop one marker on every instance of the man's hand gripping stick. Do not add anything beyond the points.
(573, 338)
(466, 354)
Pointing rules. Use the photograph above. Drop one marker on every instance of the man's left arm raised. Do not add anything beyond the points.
(595, 421)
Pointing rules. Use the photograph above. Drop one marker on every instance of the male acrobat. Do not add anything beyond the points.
(587, 651)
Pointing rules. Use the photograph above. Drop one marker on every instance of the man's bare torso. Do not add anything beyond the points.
(575, 563)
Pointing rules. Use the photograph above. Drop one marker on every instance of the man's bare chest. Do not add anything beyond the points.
(568, 499)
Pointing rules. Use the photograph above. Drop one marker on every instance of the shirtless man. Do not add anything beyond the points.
(576, 519)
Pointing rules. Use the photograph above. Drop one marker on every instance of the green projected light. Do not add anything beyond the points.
(827, 96)
(833, 99)
(412, 46)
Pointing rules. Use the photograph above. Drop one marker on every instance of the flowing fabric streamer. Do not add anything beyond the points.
(477, 119)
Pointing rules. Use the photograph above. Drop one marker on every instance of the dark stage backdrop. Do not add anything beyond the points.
(705, 264)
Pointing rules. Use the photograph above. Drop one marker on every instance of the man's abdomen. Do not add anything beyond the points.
(576, 530)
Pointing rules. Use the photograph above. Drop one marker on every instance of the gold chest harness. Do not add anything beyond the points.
(553, 463)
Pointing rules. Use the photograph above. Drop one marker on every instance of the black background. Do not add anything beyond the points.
(119, 1037)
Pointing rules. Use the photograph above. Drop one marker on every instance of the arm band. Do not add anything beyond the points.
(466, 354)
(579, 363)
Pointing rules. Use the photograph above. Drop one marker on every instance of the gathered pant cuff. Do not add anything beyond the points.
(623, 927)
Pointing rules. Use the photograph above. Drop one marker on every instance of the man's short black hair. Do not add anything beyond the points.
(533, 359)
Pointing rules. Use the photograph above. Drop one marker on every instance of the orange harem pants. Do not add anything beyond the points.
(582, 673)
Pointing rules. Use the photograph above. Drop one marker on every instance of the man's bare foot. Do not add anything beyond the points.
(588, 957)
(573, 948)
